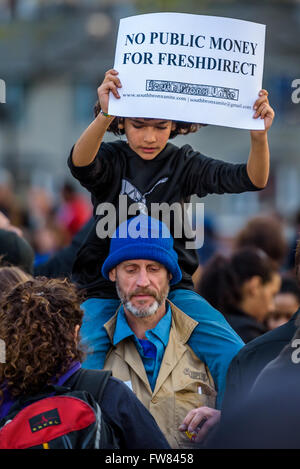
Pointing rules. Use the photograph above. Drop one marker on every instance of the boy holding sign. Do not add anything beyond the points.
(148, 170)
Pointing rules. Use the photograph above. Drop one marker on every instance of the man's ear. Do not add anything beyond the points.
(173, 126)
(112, 275)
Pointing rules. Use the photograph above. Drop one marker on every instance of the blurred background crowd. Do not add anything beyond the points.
(53, 56)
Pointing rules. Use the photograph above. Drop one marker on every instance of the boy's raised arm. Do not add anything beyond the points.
(258, 164)
(87, 146)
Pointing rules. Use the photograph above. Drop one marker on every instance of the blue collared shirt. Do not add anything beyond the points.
(153, 352)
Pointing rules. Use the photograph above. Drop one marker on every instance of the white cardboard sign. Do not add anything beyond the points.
(192, 68)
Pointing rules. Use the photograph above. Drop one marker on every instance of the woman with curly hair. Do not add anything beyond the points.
(39, 324)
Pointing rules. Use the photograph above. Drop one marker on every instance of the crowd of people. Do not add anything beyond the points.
(192, 355)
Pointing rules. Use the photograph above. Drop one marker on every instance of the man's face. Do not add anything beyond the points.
(142, 285)
(147, 137)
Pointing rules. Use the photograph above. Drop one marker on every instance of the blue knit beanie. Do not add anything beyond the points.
(143, 237)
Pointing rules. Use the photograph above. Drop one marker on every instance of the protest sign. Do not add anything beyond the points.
(193, 68)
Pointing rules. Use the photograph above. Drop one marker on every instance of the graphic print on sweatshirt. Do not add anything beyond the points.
(128, 189)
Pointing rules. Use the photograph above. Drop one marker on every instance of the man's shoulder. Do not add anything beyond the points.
(115, 146)
(269, 343)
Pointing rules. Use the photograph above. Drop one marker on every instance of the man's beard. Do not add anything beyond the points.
(142, 311)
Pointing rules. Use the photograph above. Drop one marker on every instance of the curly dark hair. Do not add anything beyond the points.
(181, 128)
(38, 320)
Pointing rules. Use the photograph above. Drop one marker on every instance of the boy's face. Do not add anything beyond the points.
(147, 137)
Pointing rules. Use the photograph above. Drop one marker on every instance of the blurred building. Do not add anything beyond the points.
(53, 55)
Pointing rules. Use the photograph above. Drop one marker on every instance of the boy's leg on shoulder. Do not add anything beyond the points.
(97, 311)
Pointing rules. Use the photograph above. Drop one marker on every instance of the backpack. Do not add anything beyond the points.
(61, 417)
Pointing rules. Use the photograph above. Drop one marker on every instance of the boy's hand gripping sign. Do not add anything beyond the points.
(192, 68)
